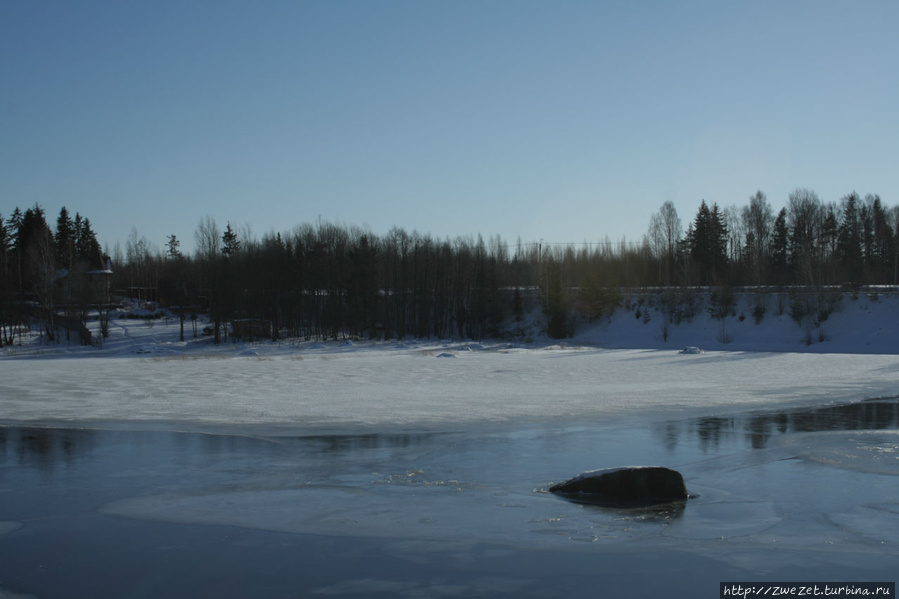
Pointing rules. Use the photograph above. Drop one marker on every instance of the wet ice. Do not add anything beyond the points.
(489, 483)
(435, 496)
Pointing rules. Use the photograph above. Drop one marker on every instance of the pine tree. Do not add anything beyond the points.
(719, 236)
(65, 240)
(37, 258)
(14, 227)
(708, 243)
(87, 248)
(5, 241)
(173, 245)
(230, 242)
(884, 246)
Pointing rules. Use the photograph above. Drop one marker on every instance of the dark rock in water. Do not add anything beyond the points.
(637, 486)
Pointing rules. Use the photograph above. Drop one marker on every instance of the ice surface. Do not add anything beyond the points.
(865, 451)
(401, 388)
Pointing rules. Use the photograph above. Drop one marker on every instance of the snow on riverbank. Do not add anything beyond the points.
(145, 374)
(860, 323)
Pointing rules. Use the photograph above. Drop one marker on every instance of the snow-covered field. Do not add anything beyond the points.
(143, 373)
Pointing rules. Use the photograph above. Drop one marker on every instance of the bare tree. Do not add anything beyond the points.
(207, 238)
(758, 218)
(665, 232)
(805, 216)
(208, 241)
(736, 233)
(138, 250)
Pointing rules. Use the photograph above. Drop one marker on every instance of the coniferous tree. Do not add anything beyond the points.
(230, 279)
(14, 224)
(87, 248)
(719, 243)
(173, 248)
(65, 239)
(708, 243)
(173, 287)
(884, 242)
(37, 255)
(230, 242)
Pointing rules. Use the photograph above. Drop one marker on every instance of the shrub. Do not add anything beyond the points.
(723, 300)
(760, 307)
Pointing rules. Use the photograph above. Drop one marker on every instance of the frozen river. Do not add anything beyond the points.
(447, 510)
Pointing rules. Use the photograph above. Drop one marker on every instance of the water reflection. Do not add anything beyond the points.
(660, 512)
(44, 448)
(758, 429)
(47, 448)
(342, 444)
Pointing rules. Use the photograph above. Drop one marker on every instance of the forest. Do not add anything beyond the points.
(328, 281)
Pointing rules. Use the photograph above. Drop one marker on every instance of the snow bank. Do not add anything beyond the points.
(861, 323)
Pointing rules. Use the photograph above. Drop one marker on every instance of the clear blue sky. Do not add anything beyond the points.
(564, 121)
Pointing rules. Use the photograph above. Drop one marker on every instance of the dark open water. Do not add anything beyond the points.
(807, 494)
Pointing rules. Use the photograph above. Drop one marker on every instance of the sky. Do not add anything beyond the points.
(564, 121)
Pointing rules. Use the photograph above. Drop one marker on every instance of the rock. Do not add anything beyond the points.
(691, 349)
(637, 486)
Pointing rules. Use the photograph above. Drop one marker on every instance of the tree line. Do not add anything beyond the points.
(328, 281)
(48, 275)
(808, 242)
